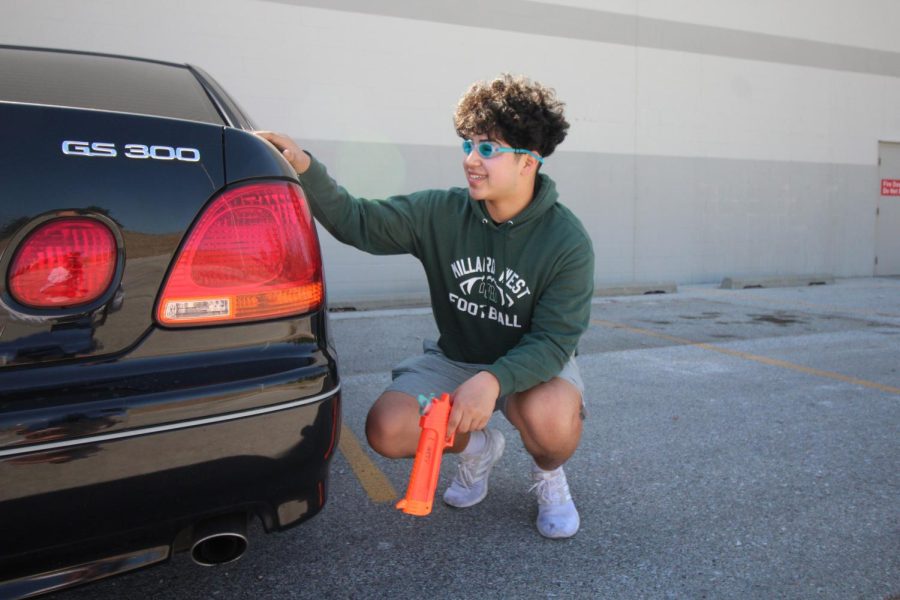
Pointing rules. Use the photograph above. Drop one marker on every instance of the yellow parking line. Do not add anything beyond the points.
(369, 475)
(760, 359)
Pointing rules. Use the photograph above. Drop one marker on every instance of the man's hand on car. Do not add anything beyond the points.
(298, 159)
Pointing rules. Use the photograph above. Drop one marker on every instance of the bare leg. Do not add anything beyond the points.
(392, 426)
(548, 417)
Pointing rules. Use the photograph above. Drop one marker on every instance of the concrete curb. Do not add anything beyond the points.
(630, 289)
(731, 283)
(379, 304)
(636, 289)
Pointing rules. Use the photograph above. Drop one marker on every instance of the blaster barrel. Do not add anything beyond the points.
(427, 463)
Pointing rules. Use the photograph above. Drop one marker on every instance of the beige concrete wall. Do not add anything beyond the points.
(709, 138)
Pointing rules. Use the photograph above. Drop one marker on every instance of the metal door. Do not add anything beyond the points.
(887, 220)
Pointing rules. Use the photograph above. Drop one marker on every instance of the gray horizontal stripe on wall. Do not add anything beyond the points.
(523, 16)
(379, 169)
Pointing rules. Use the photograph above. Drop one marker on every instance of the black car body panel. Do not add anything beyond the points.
(120, 436)
(151, 203)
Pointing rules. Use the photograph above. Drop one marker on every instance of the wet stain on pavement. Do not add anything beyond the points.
(783, 319)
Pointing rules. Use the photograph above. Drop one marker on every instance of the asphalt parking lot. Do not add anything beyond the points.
(739, 444)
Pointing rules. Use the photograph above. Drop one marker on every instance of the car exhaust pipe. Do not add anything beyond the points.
(220, 540)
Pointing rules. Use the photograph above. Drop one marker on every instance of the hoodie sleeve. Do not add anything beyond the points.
(561, 315)
(375, 226)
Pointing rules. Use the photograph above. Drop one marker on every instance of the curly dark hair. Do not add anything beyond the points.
(521, 112)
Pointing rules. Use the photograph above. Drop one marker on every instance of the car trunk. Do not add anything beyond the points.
(145, 177)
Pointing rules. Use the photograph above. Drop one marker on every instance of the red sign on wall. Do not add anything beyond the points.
(890, 187)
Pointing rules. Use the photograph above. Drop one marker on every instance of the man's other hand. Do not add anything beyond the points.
(473, 403)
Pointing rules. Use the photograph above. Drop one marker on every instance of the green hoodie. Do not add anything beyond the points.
(514, 296)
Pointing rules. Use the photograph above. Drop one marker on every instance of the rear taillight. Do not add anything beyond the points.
(63, 263)
(252, 255)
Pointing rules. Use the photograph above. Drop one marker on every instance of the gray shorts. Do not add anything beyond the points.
(433, 373)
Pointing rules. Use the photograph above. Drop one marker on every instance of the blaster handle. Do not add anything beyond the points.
(427, 464)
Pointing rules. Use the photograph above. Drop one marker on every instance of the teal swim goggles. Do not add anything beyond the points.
(488, 149)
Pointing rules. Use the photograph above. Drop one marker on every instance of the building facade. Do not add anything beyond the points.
(709, 138)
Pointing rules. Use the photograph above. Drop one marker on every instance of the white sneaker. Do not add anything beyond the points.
(470, 485)
(557, 515)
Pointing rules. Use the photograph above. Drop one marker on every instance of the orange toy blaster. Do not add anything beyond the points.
(427, 464)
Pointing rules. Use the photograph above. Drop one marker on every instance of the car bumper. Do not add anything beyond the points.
(125, 499)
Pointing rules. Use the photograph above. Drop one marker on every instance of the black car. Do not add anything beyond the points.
(166, 373)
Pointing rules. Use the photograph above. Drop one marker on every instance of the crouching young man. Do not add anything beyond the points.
(510, 272)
